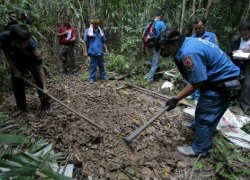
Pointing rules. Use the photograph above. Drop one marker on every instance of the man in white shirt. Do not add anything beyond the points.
(243, 43)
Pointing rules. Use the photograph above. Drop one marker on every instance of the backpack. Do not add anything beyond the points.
(149, 35)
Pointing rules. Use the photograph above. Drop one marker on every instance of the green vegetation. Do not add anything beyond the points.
(230, 163)
(23, 157)
(123, 22)
(117, 63)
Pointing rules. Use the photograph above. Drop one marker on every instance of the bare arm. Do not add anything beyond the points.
(84, 48)
(246, 50)
(42, 75)
(73, 35)
(105, 48)
(186, 91)
(59, 34)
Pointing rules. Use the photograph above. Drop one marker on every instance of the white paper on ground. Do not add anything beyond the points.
(68, 171)
(230, 126)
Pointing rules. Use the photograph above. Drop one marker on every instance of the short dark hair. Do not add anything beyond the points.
(66, 17)
(159, 13)
(11, 12)
(19, 33)
(200, 19)
(245, 26)
(170, 36)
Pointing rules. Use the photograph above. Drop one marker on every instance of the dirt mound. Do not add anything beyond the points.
(120, 111)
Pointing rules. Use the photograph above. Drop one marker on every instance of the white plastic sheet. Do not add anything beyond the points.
(230, 126)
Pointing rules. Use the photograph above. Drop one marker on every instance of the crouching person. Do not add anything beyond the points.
(22, 53)
(207, 68)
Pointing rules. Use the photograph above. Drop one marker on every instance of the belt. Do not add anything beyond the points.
(216, 85)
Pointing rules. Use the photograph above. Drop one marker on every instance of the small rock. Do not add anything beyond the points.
(147, 173)
(166, 171)
(181, 164)
(101, 172)
(112, 176)
(131, 170)
(151, 110)
(138, 104)
(151, 164)
(122, 176)
(94, 146)
(156, 172)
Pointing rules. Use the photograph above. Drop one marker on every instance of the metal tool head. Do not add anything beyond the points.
(128, 144)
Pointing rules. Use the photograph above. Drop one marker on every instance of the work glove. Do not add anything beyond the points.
(171, 103)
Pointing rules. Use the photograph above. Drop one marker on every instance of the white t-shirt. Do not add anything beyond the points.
(244, 44)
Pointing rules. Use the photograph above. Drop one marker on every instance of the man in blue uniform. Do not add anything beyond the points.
(22, 53)
(159, 26)
(207, 68)
(200, 32)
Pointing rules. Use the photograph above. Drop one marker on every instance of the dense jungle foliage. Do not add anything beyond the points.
(124, 21)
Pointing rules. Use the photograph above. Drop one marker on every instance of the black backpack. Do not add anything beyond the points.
(149, 35)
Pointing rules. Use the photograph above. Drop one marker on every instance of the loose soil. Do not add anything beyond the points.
(104, 155)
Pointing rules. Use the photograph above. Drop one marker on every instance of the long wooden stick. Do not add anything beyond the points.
(60, 102)
(155, 93)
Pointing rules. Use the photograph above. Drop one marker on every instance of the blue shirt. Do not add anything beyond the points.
(209, 36)
(94, 43)
(201, 61)
(159, 26)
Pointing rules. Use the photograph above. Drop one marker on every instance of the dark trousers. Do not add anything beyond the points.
(19, 90)
(67, 54)
(94, 62)
(245, 90)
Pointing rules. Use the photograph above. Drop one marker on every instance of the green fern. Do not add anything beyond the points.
(230, 163)
(22, 158)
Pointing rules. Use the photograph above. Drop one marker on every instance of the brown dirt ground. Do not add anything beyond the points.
(104, 155)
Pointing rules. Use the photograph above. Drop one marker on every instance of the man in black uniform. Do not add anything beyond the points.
(22, 54)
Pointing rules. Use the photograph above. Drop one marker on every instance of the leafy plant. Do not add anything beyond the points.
(230, 163)
(117, 63)
(246, 128)
(199, 166)
(22, 158)
(140, 79)
(85, 76)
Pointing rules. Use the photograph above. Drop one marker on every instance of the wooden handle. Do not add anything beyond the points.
(60, 102)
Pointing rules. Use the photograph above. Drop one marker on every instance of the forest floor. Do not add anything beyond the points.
(103, 155)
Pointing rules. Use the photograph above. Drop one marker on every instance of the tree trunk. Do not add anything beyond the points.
(199, 6)
(91, 8)
(245, 10)
(193, 11)
(209, 4)
(182, 15)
